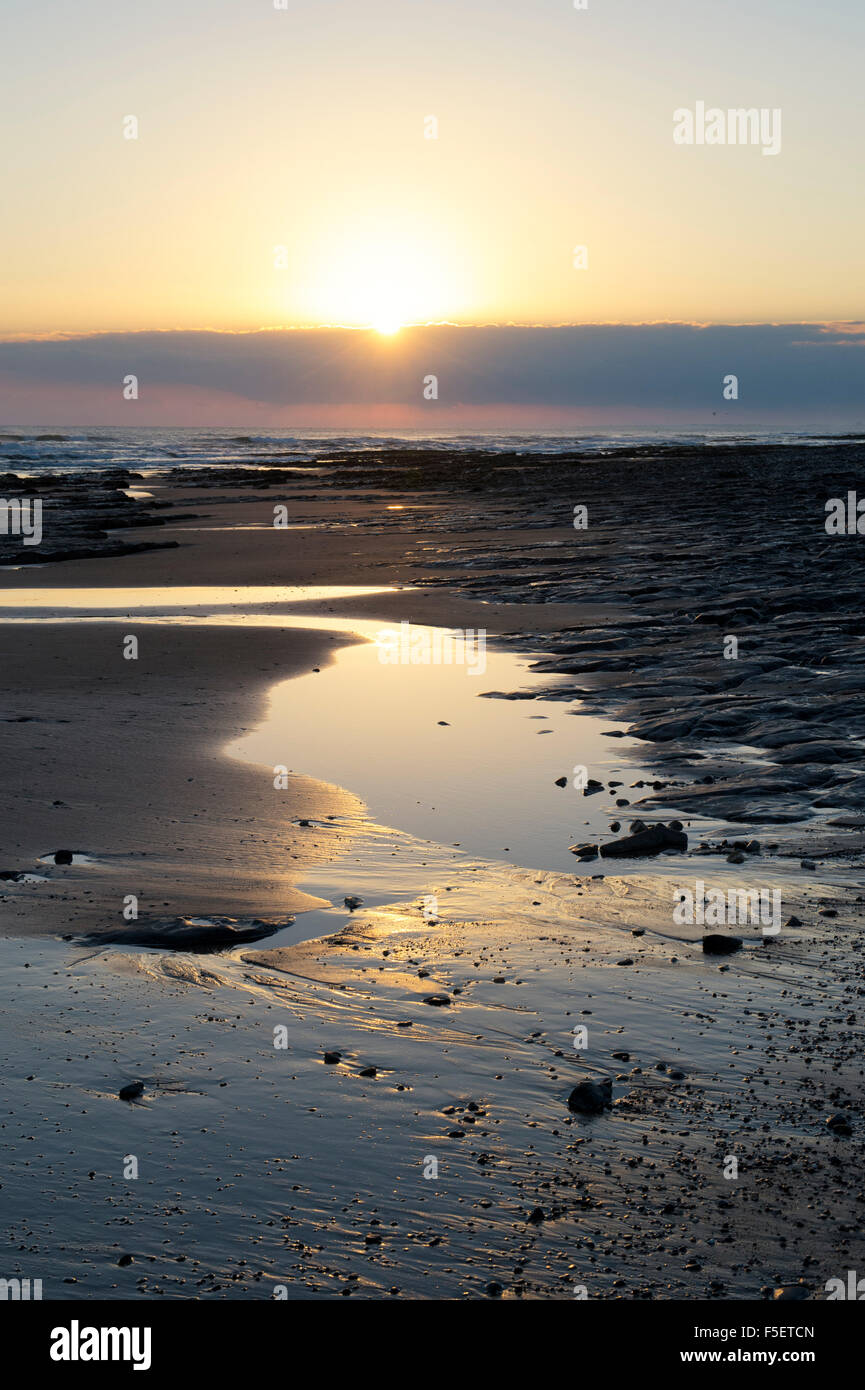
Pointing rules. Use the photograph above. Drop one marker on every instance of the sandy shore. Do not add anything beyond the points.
(438, 1157)
(262, 1165)
(122, 761)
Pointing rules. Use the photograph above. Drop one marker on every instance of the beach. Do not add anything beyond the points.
(327, 910)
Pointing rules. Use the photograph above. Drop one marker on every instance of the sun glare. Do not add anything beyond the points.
(382, 277)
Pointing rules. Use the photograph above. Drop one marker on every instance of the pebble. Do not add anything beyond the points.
(591, 1097)
(132, 1091)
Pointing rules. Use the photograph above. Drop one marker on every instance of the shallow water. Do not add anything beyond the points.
(418, 743)
(454, 779)
(427, 753)
(461, 775)
(195, 599)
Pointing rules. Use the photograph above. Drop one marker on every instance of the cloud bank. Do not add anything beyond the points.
(531, 376)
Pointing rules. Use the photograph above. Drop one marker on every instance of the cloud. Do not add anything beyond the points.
(653, 369)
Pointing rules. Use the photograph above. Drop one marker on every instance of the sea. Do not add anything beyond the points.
(156, 449)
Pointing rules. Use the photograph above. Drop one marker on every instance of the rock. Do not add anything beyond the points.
(591, 1097)
(840, 1124)
(850, 796)
(807, 864)
(494, 1290)
(643, 842)
(737, 858)
(63, 856)
(793, 922)
(813, 753)
(728, 616)
(132, 1091)
(615, 827)
(352, 903)
(791, 1293)
(439, 1001)
(125, 1260)
(180, 934)
(592, 786)
(561, 781)
(536, 1216)
(369, 1071)
(776, 795)
(584, 851)
(715, 945)
(331, 1058)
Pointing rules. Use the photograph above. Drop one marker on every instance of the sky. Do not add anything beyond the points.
(281, 178)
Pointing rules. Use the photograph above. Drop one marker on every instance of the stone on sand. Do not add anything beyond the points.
(650, 841)
(591, 1097)
(132, 1091)
(716, 945)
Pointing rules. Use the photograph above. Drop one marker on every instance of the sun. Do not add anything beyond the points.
(386, 325)
(382, 274)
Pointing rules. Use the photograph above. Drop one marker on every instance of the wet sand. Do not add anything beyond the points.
(456, 1168)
